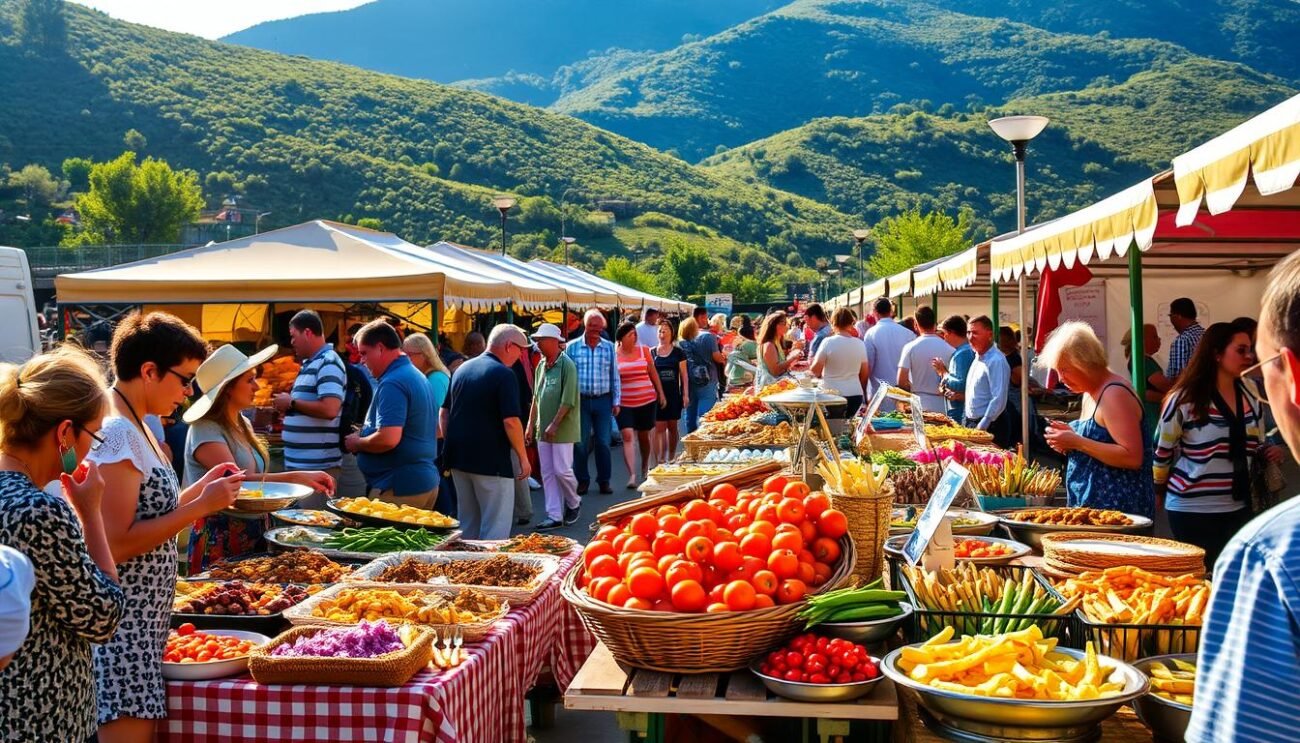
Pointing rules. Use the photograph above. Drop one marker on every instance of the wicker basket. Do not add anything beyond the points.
(868, 519)
(547, 565)
(390, 669)
(693, 643)
(745, 477)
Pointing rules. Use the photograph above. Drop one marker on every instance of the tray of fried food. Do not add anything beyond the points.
(296, 566)
(516, 578)
(440, 607)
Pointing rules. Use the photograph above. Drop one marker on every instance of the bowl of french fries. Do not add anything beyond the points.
(1014, 680)
(1168, 707)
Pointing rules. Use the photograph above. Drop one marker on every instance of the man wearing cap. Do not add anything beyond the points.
(396, 447)
(553, 424)
(484, 426)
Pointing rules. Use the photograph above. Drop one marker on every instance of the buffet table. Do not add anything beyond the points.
(480, 700)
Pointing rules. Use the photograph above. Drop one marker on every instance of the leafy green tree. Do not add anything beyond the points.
(145, 203)
(912, 238)
(76, 170)
(134, 140)
(748, 288)
(37, 186)
(42, 25)
(622, 271)
(687, 269)
(370, 223)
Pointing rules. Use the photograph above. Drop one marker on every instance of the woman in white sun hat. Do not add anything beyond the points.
(220, 433)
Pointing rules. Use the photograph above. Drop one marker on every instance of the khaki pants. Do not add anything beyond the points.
(419, 500)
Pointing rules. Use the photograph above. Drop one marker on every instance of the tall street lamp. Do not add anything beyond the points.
(859, 237)
(503, 204)
(567, 242)
(836, 280)
(1019, 130)
(257, 222)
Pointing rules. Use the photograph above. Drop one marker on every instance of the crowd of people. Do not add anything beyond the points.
(91, 502)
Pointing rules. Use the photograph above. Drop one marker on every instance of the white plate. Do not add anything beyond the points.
(214, 669)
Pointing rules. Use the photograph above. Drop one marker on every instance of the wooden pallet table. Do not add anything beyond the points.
(642, 698)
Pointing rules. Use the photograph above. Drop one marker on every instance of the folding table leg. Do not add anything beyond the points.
(827, 730)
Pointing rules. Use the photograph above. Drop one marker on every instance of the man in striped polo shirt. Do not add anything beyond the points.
(1248, 674)
(312, 410)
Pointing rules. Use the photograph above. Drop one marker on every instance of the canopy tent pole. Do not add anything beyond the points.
(993, 291)
(510, 312)
(1137, 335)
(433, 313)
(934, 304)
(1024, 347)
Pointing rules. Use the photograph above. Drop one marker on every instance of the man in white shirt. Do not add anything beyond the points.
(647, 331)
(988, 381)
(885, 341)
(916, 370)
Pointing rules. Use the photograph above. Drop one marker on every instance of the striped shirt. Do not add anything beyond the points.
(634, 379)
(313, 443)
(597, 371)
(1248, 673)
(1181, 350)
(1193, 456)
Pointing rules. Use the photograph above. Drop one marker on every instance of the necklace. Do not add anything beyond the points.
(144, 430)
(26, 468)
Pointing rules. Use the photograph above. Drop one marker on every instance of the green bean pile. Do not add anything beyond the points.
(386, 539)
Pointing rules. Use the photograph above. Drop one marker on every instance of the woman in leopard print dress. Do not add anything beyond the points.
(50, 414)
(154, 358)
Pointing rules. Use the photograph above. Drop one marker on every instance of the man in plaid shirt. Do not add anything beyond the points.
(1182, 315)
(598, 385)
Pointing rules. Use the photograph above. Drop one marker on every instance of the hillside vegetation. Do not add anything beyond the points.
(306, 139)
(1102, 139)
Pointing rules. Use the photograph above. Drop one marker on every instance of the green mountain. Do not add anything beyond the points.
(513, 48)
(1260, 33)
(306, 139)
(817, 58)
(1103, 138)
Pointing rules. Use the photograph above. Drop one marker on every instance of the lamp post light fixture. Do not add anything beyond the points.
(837, 278)
(859, 237)
(1019, 130)
(257, 222)
(567, 242)
(504, 204)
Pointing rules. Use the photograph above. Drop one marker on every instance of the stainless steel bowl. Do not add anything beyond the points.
(1032, 534)
(1166, 718)
(801, 692)
(955, 707)
(867, 633)
(894, 547)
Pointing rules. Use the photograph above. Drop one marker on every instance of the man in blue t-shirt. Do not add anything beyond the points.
(484, 426)
(396, 446)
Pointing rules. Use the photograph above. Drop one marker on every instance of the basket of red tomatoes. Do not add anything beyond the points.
(706, 584)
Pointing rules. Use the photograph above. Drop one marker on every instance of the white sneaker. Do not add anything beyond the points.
(533, 484)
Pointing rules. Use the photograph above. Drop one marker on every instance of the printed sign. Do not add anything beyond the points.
(918, 422)
(718, 303)
(951, 483)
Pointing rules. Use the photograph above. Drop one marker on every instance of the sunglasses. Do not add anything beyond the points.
(185, 381)
(96, 440)
(1256, 367)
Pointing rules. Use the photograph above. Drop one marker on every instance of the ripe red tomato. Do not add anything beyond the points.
(689, 595)
(699, 549)
(605, 566)
(725, 492)
(815, 503)
(645, 525)
(667, 544)
(756, 545)
(774, 484)
(826, 550)
(795, 489)
(833, 524)
(784, 563)
(727, 556)
(765, 582)
(790, 591)
(596, 548)
(739, 596)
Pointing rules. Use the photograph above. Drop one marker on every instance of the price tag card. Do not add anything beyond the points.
(918, 422)
(952, 482)
(878, 399)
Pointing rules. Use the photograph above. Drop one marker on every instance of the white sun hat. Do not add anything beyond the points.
(224, 365)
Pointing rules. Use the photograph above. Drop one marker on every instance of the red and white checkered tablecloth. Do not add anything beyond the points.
(481, 700)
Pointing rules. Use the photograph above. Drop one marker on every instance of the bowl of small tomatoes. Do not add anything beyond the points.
(200, 655)
(815, 668)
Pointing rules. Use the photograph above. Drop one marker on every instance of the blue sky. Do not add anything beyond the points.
(212, 19)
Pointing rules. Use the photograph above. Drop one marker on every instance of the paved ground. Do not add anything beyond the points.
(592, 503)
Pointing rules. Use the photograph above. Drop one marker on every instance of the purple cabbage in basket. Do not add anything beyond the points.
(365, 640)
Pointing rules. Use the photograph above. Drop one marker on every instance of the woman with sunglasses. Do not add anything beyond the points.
(50, 413)
(154, 358)
(1208, 434)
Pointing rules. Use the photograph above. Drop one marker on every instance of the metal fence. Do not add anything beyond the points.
(50, 261)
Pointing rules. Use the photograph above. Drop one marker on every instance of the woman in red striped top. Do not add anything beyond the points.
(642, 397)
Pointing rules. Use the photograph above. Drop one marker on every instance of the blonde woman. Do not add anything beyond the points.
(51, 412)
(220, 433)
(1108, 450)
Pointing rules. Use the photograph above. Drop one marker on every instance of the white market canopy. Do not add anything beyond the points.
(317, 261)
(629, 298)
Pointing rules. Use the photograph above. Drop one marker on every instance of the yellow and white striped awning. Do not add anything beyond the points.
(1103, 229)
(926, 282)
(900, 283)
(873, 291)
(1267, 147)
(961, 270)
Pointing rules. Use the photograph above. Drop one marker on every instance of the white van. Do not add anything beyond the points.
(20, 337)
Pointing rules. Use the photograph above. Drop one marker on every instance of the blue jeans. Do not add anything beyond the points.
(596, 424)
(702, 401)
